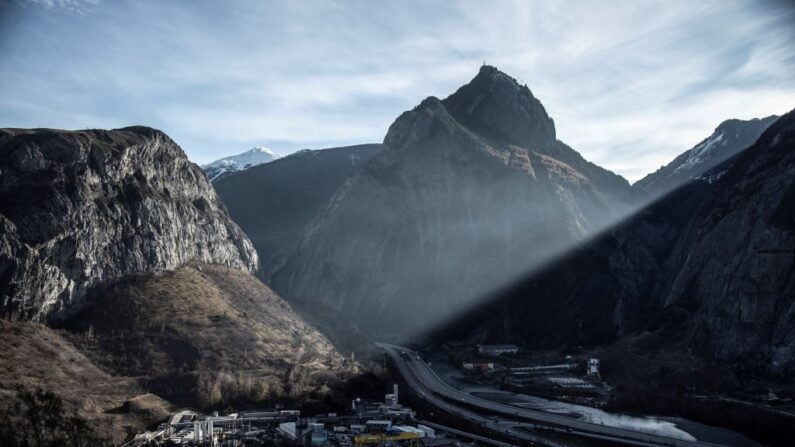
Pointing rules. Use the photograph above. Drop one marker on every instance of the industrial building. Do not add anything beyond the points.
(495, 350)
(367, 424)
(478, 365)
(593, 367)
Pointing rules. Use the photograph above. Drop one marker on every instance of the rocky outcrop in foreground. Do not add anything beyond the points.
(121, 245)
(81, 208)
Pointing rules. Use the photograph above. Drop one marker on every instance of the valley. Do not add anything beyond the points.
(391, 254)
(397, 224)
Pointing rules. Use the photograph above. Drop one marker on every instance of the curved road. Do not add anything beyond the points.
(429, 386)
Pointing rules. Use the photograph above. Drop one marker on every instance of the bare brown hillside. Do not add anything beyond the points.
(37, 357)
(205, 335)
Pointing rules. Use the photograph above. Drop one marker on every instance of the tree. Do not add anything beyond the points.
(43, 422)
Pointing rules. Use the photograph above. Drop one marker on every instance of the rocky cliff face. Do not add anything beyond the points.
(80, 208)
(729, 139)
(465, 194)
(709, 267)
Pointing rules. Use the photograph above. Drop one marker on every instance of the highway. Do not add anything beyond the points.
(465, 434)
(424, 381)
(488, 423)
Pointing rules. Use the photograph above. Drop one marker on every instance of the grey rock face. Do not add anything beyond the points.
(79, 208)
(494, 105)
(709, 266)
(730, 138)
(466, 194)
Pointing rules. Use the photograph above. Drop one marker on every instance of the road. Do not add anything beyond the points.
(429, 386)
(464, 434)
(487, 423)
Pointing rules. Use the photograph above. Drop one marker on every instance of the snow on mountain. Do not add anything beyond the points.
(256, 156)
(729, 139)
(696, 155)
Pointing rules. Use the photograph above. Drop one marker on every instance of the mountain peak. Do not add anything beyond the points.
(252, 157)
(495, 105)
(263, 150)
(495, 75)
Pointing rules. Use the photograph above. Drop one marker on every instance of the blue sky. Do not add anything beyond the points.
(629, 83)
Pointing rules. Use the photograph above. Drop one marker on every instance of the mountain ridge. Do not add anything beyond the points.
(273, 201)
(442, 193)
(731, 137)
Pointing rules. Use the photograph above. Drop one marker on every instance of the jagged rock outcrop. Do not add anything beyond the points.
(81, 208)
(273, 202)
(729, 138)
(709, 267)
(466, 193)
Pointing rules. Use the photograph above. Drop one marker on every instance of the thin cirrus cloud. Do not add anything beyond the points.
(630, 84)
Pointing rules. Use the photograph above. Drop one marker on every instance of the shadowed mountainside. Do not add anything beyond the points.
(709, 266)
(273, 202)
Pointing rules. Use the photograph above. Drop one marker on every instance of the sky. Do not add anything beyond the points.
(629, 83)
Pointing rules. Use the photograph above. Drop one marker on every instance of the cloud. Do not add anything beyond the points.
(630, 84)
(75, 6)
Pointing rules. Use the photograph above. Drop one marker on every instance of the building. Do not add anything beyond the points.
(495, 350)
(428, 432)
(375, 426)
(478, 365)
(392, 399)
(319, 436)
(593, 367)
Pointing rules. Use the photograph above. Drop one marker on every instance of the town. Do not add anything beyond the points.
(365, 424)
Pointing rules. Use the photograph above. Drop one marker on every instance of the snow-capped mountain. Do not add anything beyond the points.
(239, 162)
(729, 138)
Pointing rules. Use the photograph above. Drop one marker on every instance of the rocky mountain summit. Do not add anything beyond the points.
(707, 269)
(729, 138)
(81, 208)
(466, 193)
(240, 162)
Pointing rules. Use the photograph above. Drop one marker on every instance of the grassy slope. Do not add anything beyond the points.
(207, 335)
(35, 356)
